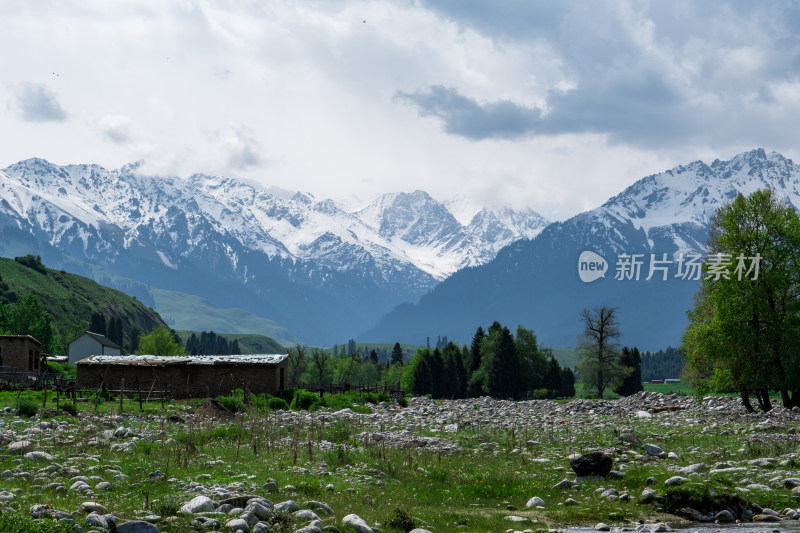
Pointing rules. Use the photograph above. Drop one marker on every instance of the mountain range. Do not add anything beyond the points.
(536, 282)
(399, 268)
(319, 271)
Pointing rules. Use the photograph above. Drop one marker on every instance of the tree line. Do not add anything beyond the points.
(496, 363)
(667, 363)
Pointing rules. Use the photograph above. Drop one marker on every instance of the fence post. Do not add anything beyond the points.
(121, 393)
(44, 396)
(139, 392)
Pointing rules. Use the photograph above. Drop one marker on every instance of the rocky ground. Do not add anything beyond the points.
(54, 462)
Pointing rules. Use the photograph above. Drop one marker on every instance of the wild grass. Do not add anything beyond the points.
(497, 468)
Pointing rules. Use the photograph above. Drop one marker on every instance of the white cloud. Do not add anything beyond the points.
(552, 105)
(116, 128)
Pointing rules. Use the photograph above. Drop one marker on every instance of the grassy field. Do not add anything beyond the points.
(496, 469)
(670, 388)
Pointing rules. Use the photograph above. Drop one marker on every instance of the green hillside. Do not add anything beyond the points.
(71, 299)
(193, 313)
(249, 343)
(566, 357)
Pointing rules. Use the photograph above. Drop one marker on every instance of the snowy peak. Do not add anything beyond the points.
(77, 205)
(415, 218)
(690, 194)
(506, 224)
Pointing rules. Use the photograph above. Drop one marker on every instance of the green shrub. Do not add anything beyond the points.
(277, 403)
(27, 407)
(376, 397)
(167, 505)
(402, 401)
(68, 407)
(287, 395)
(401, 521)
(234, 404)
(305, 400)
(21, 522)
(338, 457)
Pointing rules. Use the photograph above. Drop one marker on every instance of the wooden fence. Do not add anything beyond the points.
(335, 388)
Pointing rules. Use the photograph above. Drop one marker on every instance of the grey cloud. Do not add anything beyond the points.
(646, 74)
(624, 106)
(243, 151)
(37, 103)
(466, 117)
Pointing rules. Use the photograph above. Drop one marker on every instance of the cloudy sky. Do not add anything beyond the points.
(549, 105)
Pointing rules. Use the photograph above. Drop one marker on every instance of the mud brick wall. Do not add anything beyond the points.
(188, 381)
(15, 353)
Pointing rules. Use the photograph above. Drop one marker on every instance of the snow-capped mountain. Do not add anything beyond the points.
(536, 282)
(295, 259)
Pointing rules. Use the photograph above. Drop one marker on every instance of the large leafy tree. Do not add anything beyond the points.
(297, 362)
(744, 331)
(320, 367)
(600, 365)
(27, 317)
(160, 341)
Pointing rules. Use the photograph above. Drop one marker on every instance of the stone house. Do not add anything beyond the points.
(20, 353)
(197, 376)
(90, 343)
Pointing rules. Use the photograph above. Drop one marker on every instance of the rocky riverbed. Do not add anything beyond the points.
(73, 469)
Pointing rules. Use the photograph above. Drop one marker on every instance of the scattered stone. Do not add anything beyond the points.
(20, 447)
(535, 502)
(652, 449)
(692, 469)
(791, 482)
(355, 523)
(136, 526)
(289, 506)
(602, 527)
(198, 504)
(592, 464)
(564, 484)
(92, 507)
(724, 516)
(237, 524)
(674, 481)
(306, 514)
(766, 518)
(39, 457)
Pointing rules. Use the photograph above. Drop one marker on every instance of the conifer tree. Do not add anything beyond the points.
(397, 354)
(633, 381)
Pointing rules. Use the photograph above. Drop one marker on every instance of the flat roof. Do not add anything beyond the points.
(28, 337)
(160, 360)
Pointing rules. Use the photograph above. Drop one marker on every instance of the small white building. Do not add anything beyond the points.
(92, 344)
